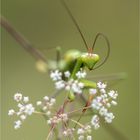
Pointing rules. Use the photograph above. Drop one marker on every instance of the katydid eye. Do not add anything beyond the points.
(95, 57)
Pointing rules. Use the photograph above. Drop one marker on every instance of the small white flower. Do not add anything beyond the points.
(67, 87)
(25, 99)
(96, 126)
(81, 137)
(29, 109)
(48, 113)
(60, 84)
(95, 121)
(92, 91)
(56, 75)
(109, 117)
(87, 129)
(64, 117)
(103, 91)
(44, 108)
(89, 138)
(113, 102)
(18, 97)
(23, 117)
(11, 112)
(101, 85)
(80, 131)
(113, 94)
(104, 96)
(96, 104)
(20, 105)
(53, 100)
(108, 105)
(65, 133)
(46, 98)
(38, 103)
(68, 132)
(67, 74)
(49, 122)
(21, 108)
(76, 89)
(17, 124)
(81, 74)
(19, 113)
(103, 111)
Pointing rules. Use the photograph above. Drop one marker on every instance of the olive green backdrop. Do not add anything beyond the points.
(46, 24)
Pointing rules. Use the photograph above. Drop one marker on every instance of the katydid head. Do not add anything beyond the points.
(89, 60)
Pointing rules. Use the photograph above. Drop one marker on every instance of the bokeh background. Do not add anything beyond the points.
(46, 24)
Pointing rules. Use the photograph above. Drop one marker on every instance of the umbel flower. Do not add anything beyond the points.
(68, 84)
(25, 109)
(100, 101)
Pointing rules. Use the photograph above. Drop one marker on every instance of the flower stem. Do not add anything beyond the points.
(81, 125)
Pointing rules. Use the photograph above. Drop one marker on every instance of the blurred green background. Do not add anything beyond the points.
(46, 24)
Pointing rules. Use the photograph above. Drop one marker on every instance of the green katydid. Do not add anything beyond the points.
(74, 60)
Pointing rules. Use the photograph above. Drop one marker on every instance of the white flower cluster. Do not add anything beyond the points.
(46, 105)
(95, 121)
(68, 84)
(25, 109)
(101, 102)
(84, 132)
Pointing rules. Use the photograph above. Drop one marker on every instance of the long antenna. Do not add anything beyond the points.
(108, 46)
(74, 21)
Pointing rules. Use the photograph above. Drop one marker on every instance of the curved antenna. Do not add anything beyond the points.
(74, 21)
(108, 46)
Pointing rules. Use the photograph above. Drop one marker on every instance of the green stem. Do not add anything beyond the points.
(22, 40)
(81, 125)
